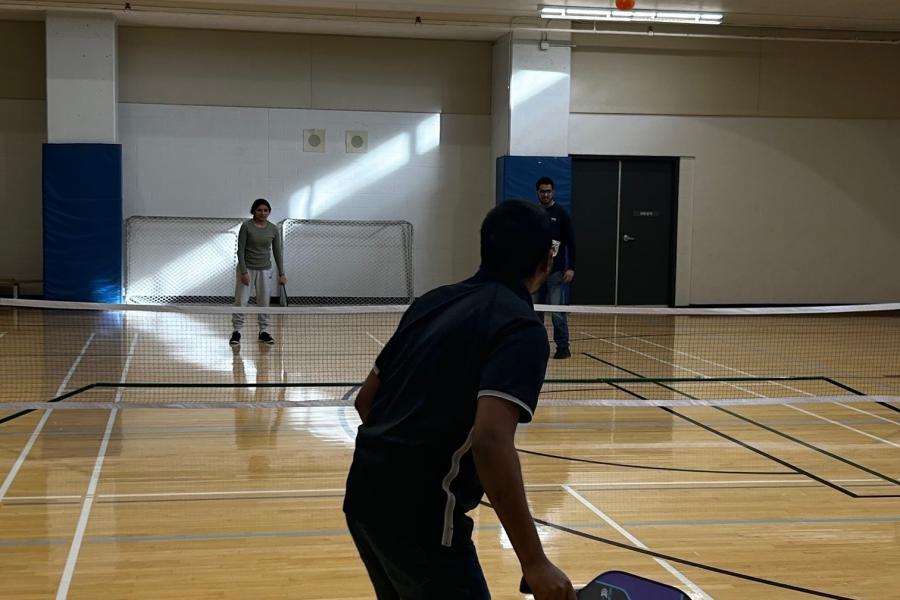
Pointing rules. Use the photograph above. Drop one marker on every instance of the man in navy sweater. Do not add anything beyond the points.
(563, 269)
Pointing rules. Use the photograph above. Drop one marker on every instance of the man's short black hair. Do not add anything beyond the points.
(544, 181)
(260, 202)
(515, 238)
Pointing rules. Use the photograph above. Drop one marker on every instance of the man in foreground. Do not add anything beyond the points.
(439, 413)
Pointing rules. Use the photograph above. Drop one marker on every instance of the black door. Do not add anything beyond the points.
(646, 220)
(624, 214)
(595, 201)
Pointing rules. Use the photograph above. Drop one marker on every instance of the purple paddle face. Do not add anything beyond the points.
(618, 585)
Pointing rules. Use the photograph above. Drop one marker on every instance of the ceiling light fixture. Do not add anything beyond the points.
(572, 13)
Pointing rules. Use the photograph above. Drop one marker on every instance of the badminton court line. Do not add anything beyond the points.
(339, 492)
(11, 476)
(375, 339)
(805, 393)
(743, 389)
(696, 592)
(757, 424)
(63, 591)
(784, 385)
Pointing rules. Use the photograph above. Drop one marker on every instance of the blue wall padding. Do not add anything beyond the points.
(516, 176)
(83, 222)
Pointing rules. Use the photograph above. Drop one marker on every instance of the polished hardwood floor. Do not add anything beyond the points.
(245, 502)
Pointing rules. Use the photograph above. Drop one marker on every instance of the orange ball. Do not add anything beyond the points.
(624, 4)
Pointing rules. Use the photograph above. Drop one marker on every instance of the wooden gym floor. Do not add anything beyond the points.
(245, 502)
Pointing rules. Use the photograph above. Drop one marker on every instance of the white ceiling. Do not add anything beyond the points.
(458, 19)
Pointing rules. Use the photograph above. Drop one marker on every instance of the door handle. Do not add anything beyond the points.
(628, 238)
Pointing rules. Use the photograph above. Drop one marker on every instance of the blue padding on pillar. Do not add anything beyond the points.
(516, 176)
(83, 222)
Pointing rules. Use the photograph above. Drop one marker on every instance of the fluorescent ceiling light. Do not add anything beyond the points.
(585, 12)
(547, 11)
(639, 16)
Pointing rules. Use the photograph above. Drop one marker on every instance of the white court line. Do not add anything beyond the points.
(696, 592)
(533, 486)
(839, 424)
(758, 395)
(377, 341)
(63, 591)
(781, 384)
(224, 493)
(734, 482)
(24, 498)
(665, 362)
(865, 412)
(11, 476)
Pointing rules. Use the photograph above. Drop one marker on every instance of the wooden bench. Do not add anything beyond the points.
(15, 283)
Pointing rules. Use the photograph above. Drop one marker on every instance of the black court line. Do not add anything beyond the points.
(780, 461)
(570, 390)
(745, 445)
(345, 384)
(822, 451)
(65, 396)
(682, 561)
(105, 385)
(649, 467)
(776, 432)
(662, 382)
(858, 393)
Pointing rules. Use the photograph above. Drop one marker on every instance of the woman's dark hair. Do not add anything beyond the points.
(515, 238)
(260, 202)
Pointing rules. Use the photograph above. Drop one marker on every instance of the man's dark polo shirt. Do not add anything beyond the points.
(413, 473)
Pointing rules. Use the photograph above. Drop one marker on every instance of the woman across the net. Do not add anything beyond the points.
(258, 240)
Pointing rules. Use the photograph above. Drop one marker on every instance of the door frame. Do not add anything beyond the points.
(678, 236)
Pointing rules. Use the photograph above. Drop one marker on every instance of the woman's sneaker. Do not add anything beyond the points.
(265, 338)
(235, 338)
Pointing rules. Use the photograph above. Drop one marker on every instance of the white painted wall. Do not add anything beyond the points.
(783, 210)
(500, 73)
(81, 78)
(539, 100)
(429, 169)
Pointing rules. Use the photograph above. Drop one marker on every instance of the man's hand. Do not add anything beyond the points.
(282, 280)
(245, 278)
(568, 276)
(547, 581)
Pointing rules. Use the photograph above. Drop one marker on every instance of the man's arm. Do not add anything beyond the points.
(363, 403)
(494, 451)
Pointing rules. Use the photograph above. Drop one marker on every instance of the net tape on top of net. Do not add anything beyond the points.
(399, 308)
